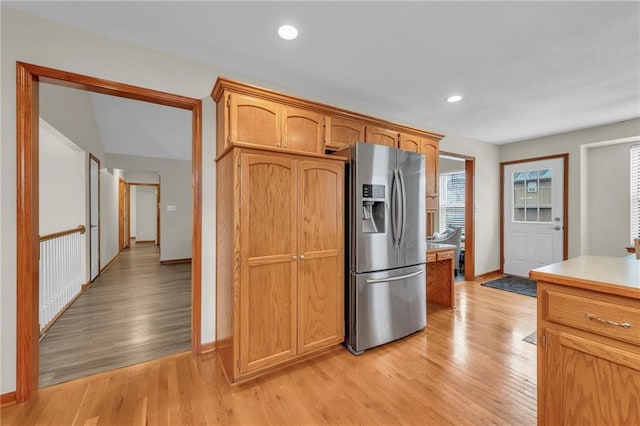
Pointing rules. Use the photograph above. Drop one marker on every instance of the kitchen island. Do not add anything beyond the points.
(589, 341)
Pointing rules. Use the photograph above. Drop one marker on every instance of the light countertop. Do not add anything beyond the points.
(439, 247)
(614, 275)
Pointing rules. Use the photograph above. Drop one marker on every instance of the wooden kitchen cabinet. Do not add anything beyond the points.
(588, 343)
(253, 121)
(302, 130)
(429, 147)
(342, 132)
(410, 142)
(280, 267)
(381, 136)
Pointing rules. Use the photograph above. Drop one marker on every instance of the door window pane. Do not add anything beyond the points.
(532, 195)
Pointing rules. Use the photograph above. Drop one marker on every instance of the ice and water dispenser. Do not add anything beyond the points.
(373, 208)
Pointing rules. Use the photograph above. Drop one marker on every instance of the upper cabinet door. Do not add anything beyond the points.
(381, 136)
(321, 260)
(342, 132)
(430, 149)
(254, 121)
(409, 142)
(302, 130)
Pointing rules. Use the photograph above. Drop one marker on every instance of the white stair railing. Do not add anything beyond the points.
(60, 272)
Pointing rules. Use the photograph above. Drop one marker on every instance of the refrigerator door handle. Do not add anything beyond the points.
(403, 192)
(398, 278)
(395, 214)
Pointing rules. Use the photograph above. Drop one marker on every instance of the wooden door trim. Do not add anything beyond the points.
(97, 160)
(469, 214)
(565, 202)
(28, 77)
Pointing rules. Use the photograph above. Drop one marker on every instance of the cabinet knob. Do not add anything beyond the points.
(278, 144)
(302, 257)
(294, 257)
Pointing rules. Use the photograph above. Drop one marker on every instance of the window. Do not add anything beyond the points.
(532, 196)
(635, 192)
(452, 200)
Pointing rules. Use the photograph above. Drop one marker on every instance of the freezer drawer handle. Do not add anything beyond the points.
(401, 277)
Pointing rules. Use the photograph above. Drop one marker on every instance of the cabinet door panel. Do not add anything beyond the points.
(268, 273)
(589, 382)
(302, 130)
(254, 121)
(342, 132)
(381, 136)
(320, 243)
(430, 150)
(409, 142)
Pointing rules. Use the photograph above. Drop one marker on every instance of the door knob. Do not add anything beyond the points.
(557, 227)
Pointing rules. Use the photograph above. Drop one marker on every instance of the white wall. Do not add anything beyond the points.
(146, 213)
(574, 144)
(608, 203)
(175, 190)
(63, 182)
(487, 198)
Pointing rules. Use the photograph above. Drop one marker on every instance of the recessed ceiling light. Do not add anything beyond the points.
(288, 32)
(454, 98)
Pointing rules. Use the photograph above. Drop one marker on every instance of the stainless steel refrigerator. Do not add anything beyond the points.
(386, 245)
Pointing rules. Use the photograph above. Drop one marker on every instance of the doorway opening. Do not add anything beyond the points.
(465, 216)
(28, 78)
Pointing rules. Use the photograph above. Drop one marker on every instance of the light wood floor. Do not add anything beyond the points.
(137, 310)
(469, 367)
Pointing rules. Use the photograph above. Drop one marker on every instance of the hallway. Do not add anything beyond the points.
(137, 310)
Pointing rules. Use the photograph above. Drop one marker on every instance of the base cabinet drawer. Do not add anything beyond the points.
(588, 357)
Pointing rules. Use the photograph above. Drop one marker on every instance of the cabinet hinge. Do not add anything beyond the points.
(238, 363)
(324, 123)
(229, 100)
(544, 341)
(239, 161)
(229, 138)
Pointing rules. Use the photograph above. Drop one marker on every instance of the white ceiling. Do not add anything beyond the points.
(525, 69)
(141, 128)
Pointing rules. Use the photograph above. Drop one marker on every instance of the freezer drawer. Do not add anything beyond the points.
(385, 306)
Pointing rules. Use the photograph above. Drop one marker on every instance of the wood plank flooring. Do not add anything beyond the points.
(135, 311)
(469, 367)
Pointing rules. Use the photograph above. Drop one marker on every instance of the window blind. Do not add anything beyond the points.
(635, 192)
(452, 198)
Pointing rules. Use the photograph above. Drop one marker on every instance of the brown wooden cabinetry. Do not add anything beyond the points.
(280, 296)
(342, 132)
(588, 357)
(410, 142)
(430, 149)
(381, 136)
(253, 121)
(302, 130)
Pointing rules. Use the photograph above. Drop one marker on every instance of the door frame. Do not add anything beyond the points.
(97, 160)
(28, 77)
(469, 213)
(565, 202)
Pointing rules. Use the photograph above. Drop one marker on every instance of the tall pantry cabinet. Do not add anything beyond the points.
(280, 239)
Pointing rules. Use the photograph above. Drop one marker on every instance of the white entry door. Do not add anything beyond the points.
(533, 215)
(94, 233)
